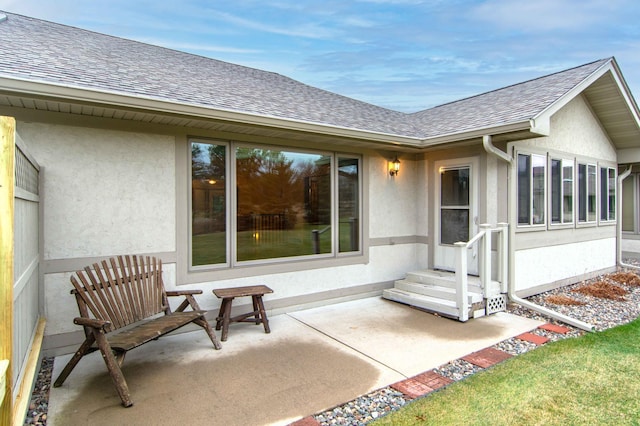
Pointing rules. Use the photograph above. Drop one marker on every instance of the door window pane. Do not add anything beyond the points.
(454, 225)
(455, 187)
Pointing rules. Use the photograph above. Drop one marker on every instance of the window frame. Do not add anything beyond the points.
(543, 157)
(605, 196)
(232, 263)
(586, 222)
(563, 160)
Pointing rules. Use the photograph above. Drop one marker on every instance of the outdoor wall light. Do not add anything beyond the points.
(394, 167)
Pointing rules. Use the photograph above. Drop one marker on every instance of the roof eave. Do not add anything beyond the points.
(542, 121)
(517, 126)
(115, 99)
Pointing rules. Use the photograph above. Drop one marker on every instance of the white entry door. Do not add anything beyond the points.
(456, 211)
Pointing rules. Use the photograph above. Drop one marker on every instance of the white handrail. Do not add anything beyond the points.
(483, 238)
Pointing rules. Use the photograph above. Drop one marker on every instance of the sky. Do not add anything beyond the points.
(406, 55)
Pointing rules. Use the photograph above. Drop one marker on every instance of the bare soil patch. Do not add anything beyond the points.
(561, 299)
(603, 290)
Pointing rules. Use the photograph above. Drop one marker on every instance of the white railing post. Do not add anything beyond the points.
(462, 299)
(485, 258)
(503, 256)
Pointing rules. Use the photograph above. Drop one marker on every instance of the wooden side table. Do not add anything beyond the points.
(228, 294)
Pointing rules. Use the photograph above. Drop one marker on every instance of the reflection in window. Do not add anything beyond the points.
(561, 191)
(348, 204)
(531, 189)
(587, 192)
(607, 194)
(208, 201)
(283, 204)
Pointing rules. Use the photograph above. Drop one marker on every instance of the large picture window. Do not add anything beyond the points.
(285, 204)
(531, 189)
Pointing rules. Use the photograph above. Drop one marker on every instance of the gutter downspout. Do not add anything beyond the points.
(621, 177)
(491, 149)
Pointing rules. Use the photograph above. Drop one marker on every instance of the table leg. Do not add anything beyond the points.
(263, 314)
(226, 317)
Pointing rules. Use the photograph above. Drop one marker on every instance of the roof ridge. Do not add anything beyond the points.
(604, 60)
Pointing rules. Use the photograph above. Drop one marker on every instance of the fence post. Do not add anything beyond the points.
(7, 164)
(462, 298)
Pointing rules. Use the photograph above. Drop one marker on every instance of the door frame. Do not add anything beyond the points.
(444, 254)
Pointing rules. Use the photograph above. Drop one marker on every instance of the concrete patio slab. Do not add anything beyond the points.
(311, 361)
(408, 340)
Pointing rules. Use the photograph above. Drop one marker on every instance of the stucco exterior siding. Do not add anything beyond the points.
(113, 191)
(575, 130)
(540, 266)
(104, 192)
(393, 209)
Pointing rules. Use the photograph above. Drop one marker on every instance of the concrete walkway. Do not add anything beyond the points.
(311, 361)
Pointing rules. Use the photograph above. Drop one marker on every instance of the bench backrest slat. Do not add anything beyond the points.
(124, 291)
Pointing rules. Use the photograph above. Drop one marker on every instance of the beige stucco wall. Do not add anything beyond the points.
(105, 192)
(576, 130)
(548, 255)
(108, 191)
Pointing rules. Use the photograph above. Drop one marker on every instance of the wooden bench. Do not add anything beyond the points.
(228, 294)
(127, 293)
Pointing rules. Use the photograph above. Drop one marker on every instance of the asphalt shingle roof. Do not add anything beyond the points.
(46, 52)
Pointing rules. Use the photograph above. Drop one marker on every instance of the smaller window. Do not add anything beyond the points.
(531, 189)
(561, 191)
(587, 205)
(607, 194)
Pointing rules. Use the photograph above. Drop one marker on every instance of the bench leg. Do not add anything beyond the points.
(82, 351)
(205, 324)
(263, 313)
(114, 369)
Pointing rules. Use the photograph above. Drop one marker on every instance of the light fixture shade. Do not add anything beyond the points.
(394, 167)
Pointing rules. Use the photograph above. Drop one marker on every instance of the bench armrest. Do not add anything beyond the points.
(189, 300)
(92, 322)
(183, 292)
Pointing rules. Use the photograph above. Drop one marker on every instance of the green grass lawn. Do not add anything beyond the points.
(590, 380)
